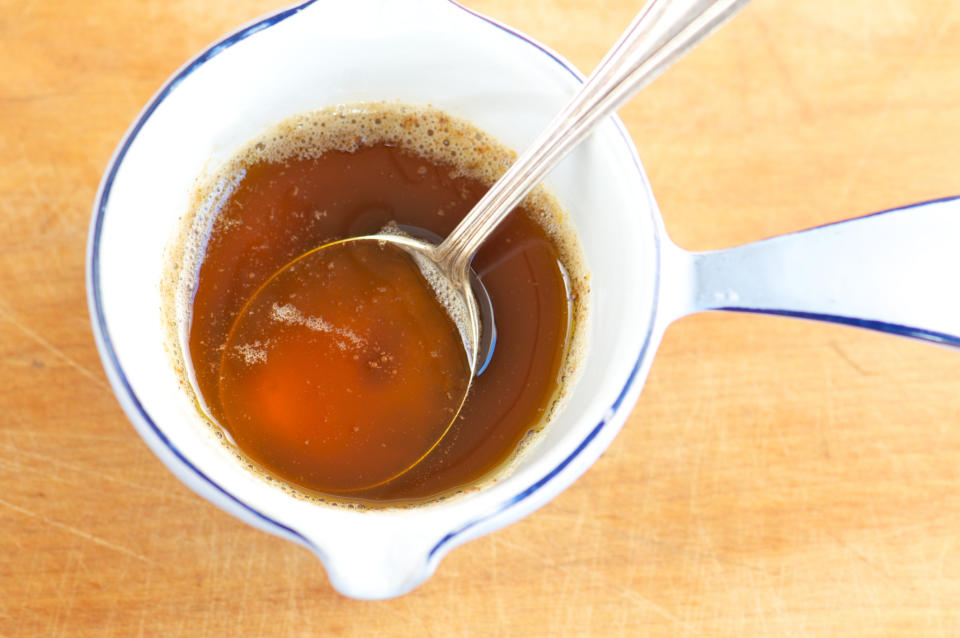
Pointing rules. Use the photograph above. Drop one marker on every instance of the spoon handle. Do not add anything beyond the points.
(662, 32)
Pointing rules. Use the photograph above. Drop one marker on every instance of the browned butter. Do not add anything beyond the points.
(346, 172)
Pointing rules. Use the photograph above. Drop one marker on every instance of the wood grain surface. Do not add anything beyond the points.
(777, 478)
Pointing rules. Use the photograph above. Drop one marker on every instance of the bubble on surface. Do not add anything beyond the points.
(292, 316)
(252, 353)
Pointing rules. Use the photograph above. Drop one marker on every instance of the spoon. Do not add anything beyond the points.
(660, 34)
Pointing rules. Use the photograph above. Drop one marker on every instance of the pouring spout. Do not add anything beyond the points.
(373, 560)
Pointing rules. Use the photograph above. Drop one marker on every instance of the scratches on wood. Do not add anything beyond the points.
(79, 533)
(8, 316)
(73, 469)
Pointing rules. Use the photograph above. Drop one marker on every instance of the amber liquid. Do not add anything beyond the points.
(282, 210)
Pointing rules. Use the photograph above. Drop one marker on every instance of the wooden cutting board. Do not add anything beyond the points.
(777, 478)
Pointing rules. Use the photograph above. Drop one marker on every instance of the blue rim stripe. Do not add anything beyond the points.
(110, 353)
(870, 324)
(96, 232)
(939, 200)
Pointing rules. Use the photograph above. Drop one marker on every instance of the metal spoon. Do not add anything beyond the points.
(662, 32)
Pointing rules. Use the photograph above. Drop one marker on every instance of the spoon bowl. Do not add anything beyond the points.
(345, 366)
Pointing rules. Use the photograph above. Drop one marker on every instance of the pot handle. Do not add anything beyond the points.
(897, 271)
